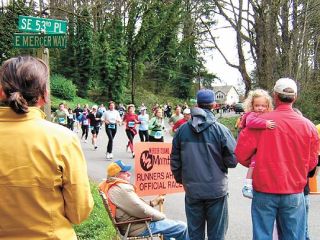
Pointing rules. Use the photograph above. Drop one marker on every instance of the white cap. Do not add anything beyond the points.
(284, 83)
(186, 111)
(95, 106)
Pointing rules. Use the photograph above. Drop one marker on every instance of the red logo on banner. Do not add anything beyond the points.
(152, 169)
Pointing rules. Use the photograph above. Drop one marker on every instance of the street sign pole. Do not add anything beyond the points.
(43, 53)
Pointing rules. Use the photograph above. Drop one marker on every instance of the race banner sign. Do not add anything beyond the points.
(152, 170)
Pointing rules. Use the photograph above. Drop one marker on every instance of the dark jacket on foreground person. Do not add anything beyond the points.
(208, 153)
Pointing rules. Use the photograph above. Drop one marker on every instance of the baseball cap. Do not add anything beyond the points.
(186, 111)
(95, 106)
(284, 83)
(115, 167)
(205, 96)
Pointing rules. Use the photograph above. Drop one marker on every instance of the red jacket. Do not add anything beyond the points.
(284, 155)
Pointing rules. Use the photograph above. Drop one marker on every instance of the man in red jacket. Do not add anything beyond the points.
(284, 156)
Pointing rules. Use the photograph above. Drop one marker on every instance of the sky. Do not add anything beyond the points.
(215, 63)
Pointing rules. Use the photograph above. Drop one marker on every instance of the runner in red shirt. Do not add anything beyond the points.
(131, 119)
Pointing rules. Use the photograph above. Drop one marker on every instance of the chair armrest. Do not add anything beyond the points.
(133, 221)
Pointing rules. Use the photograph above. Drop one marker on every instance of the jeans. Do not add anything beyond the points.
(169, 228)
(214, 212)
(288, 209)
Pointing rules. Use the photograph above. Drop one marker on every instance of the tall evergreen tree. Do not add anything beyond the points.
(84, 46)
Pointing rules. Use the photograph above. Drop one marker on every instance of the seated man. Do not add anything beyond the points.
(126, 205)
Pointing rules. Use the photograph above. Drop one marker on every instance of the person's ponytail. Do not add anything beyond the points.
(17, 103)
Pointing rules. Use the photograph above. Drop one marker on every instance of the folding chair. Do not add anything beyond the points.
(116, 224)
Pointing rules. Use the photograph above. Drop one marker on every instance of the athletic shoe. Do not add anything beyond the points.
(247, 191)
(95, 147)
(110, 155)
(133, 154)
(85, 141)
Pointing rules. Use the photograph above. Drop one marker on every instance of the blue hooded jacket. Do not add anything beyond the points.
(202, 152)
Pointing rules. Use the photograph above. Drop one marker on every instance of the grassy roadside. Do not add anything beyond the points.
(98, 225)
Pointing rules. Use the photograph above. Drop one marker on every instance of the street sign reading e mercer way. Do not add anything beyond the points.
(34, 24)
(22, 40)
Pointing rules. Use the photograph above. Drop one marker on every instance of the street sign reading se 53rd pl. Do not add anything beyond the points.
(34, 24)
(36, 40)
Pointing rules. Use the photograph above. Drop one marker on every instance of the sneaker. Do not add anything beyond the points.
(247, 191)
(85, 141)
(110, 155)
(133, 155)
(95, 147)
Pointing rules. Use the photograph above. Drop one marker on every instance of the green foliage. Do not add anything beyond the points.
(9, 26)
(55, 101)
(229, 122)
(308, 101)
(62, 87)
(84, 46)
(98, 225)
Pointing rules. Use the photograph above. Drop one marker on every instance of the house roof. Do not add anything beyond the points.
(224, 89)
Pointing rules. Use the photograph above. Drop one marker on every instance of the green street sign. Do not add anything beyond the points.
(24, 40)
(46, 25)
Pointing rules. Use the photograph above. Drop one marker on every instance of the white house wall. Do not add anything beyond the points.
(232, 97)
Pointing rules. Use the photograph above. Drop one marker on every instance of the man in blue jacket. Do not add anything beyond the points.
(202, 152)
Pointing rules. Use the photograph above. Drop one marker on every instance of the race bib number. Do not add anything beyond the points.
(158, 135)
(111, 126)
(86, 122)
(61, 120)
(131, 124)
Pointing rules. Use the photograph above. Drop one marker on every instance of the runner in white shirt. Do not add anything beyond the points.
(111, 118)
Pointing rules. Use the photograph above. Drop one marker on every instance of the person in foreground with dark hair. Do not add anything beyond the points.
(44, 185)
(284, 156)
(202, 152)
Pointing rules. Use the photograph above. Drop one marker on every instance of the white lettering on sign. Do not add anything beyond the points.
(17, 41)
(57, 27)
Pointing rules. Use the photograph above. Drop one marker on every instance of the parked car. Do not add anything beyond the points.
(238, 108)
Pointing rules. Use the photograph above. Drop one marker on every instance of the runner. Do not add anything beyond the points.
(144, 123)
(95, 123)
(156, 127)
(61, 115)
(176, 116)
(131, 119)
(84, 121)
(78, 110)
(71, 119)
(111, 118)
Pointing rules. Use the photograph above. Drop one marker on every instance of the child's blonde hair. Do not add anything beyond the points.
(248, 103)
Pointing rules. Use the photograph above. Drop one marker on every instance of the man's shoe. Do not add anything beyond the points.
(247, 191)
(110, 155)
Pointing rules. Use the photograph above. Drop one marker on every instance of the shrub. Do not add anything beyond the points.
(62, 87)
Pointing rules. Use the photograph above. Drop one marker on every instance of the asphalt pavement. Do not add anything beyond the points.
(240, 227)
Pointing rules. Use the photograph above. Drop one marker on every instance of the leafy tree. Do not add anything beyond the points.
(9, 25)
(84, 46)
